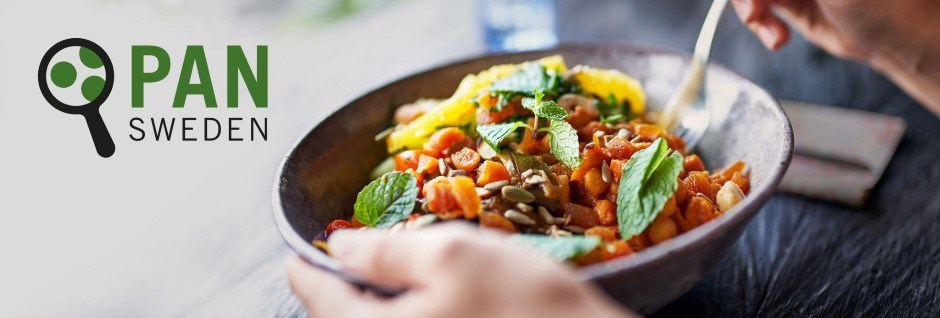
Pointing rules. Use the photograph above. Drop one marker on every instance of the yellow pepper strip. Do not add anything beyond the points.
(603, 82)
(458, 110)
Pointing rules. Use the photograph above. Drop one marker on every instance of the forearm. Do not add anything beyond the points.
(911, 58)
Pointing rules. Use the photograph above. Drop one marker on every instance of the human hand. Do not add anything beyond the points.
(449, 270)
(898, 38)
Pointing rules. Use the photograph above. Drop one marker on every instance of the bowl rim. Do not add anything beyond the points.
(649, 257)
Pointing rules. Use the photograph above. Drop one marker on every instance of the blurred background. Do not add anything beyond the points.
(185, 229)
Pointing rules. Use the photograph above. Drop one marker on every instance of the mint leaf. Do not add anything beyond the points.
(648, 181)
(387, 200)
(545, 109)
(533, 75)
(612, 111)
(563, 143)
(559, 248)
(495, 133)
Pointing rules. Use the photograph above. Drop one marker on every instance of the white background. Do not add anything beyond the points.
(160, 227)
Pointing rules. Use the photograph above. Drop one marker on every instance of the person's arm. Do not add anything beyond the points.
(897, 38)
(449, 270)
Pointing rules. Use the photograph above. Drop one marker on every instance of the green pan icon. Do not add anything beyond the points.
(94, 88)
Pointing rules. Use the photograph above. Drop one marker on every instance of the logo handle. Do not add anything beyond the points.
(99, 133)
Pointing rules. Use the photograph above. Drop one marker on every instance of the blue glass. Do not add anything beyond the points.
(514, 25)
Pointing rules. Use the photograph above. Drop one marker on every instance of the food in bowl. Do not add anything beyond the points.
(567, 160)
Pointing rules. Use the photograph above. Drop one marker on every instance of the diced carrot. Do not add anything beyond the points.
(697, 182)
(728, 172)
(486, 116)
(639, 242)
(648, 131)
(438, 195)
(743, 183)
(427, 164)
(337, 225)
(409, 159)
(579, 117)
(606, 212)
(593, 257)
(580, 215)
(445, 138)
(492, 171)
(682, 194)
(605, 233)
(675, 143)
(693, 163)
(586, 132)
(497, 221)
(465, 194)
(616, 249)
(355, 222)
(699, 211)
(466, 159)
(616, 169)
(592, 159)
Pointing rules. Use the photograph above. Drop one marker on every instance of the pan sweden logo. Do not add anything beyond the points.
(94, 88)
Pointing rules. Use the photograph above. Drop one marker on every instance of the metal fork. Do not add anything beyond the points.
(686, 113)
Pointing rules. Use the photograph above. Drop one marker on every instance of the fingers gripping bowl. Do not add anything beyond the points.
(320, 178)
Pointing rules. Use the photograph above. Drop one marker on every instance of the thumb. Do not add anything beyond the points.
(401, 258)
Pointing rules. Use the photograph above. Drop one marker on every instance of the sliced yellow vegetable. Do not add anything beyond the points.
(603, 82)
(458, 110)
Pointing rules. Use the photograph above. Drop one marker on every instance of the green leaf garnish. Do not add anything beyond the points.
(533, 75)
(544, 108)
(612, 111)
(495, 133)
(387, 200)
(563, 143)
(559, 248)
(649, 180)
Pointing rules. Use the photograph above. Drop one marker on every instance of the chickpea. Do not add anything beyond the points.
(594, 182)
(663, 228)
(670, 207)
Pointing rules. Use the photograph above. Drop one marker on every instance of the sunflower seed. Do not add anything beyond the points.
(554, 231)
(528, 173)
(486, 152)
(483, 193)
(605, 172)
(635, 139)
(456, 172)
(524, 207)
(496, 185)
(442, 166)
(535, 180)
(623, 133)
(517, 194)
(559, 220)
(518, 217)
(574, 229)
(543, 212)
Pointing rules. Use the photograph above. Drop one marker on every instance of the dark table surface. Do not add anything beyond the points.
(798, 257)
(803, 257)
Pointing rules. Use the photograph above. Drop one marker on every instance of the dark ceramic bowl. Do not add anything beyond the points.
(321, 175)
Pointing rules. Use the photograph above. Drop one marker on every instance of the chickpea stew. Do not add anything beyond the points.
(567, 160)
